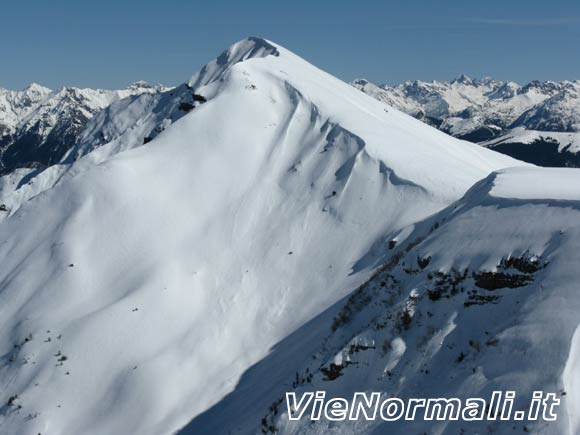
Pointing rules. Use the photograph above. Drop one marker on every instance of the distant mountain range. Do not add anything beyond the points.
(39, 125)
(538, 122)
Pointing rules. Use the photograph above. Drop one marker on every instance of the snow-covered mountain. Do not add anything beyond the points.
(471, 302)
(487, 111)
(201, 250)
(38, 125)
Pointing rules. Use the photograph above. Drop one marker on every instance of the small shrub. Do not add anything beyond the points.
(492, 342)
(434, 295)
(523, 264)
(477, 299)
(199, 98)
(386, 346)
(356, 348)
(406, 319)
(475, 344)
(423, 262)
(497, 280)
(11, 400)
(186, 107)
(334, 371)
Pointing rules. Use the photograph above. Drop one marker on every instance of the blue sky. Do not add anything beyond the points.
(110, 44)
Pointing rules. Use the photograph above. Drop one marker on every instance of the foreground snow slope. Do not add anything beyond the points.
(481, 297)
(137, 291)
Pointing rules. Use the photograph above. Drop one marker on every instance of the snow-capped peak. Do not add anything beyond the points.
(161, 275)
(36, 89)
(464, 80)
(252, 47)
(142, 85)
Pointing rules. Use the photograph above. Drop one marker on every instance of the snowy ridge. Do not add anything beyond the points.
(160, 272)
(446, 315)
(116, 129)
(116, 124)
(251, 47)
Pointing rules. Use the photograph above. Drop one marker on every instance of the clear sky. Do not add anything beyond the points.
(110, 44)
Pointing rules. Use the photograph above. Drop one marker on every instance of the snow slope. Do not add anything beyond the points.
(157, 276)
(480, 297)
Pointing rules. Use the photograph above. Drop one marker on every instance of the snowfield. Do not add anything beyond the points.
(529, 183)
(480, 297)
(190, 254)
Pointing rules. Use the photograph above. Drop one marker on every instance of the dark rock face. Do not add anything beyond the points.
(542, 152)
(481, 134)
(31, 147)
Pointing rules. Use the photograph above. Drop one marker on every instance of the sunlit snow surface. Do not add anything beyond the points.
(164, 271)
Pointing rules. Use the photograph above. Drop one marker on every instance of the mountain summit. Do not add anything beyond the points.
(155, 279)
(207, 236)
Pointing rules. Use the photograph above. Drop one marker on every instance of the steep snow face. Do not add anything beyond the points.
(481, 297)
(117, 126)
(156, 278)
(484, 110)
(131, 122)
(38, 126)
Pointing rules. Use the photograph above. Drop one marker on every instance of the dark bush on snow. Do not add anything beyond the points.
(497, 280)
(186, 107)
(333, 371)
(199, 98)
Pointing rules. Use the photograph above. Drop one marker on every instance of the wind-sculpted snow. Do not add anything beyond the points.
(139, 283)
(480, 297)
(528, 183)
